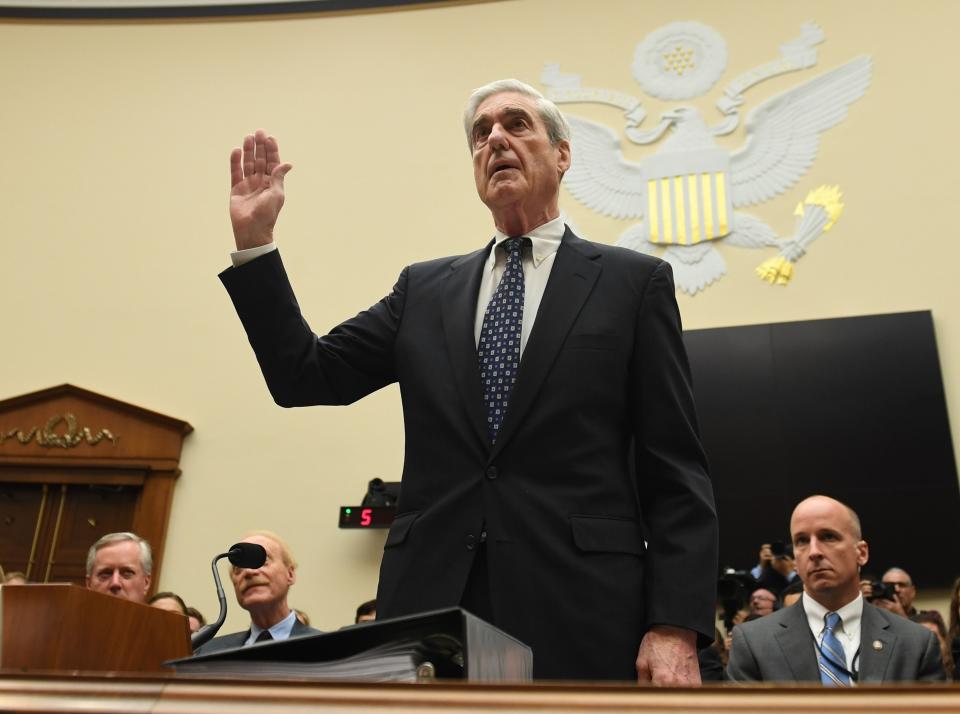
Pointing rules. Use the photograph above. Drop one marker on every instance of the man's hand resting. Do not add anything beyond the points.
(668, 657)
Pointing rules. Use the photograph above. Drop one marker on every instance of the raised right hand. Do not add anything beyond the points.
(256, 189)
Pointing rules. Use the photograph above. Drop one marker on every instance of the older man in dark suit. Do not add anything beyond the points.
(263, 593)
(554, 482)
(832, 635)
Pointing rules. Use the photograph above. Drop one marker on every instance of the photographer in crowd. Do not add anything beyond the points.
(776, 569)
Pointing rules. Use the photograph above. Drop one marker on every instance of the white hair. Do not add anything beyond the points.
(557, 127)
(146, 555)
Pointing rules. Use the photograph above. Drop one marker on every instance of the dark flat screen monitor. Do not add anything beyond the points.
(851, 407)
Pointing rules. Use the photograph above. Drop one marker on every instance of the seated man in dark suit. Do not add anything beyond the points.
(263, 593)
(832, 635)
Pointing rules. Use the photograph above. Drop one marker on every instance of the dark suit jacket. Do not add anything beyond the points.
(598, 452)
(781, 648)
(236, 639)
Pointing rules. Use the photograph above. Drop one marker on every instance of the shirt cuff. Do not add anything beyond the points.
(239, 257)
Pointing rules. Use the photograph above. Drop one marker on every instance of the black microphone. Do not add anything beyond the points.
(241, 555)
(247, 555)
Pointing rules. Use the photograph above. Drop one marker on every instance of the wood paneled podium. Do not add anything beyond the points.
(62, 627)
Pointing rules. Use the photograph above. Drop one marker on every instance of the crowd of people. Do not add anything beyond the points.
(121, 565)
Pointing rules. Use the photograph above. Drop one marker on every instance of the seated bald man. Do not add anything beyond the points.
(120, 564)
(263, 593)
(832, 635)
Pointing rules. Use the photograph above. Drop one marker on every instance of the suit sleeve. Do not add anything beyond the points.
(931, 668)
(300, 368)
(742, 664)
(676, 496)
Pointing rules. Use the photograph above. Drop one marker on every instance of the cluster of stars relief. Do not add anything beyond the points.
(679, 60)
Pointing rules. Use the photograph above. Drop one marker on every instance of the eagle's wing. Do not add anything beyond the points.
(783, 133)
(599, 176)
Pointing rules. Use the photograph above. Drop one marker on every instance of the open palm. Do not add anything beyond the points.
(256, 193)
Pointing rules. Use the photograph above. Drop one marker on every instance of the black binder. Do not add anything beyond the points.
(441, 644)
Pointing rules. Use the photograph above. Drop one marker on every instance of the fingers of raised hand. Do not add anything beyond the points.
(260, 155)
(272, 153)
(236, 169)
(258, 160)
(249, 146)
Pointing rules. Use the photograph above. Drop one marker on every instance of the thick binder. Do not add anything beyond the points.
(441, 644)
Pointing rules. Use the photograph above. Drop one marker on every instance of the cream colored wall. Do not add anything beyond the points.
(115, 139)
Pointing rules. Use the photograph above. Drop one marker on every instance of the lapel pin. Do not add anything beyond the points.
(877, 645)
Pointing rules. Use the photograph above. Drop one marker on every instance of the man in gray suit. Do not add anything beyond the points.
(263, 593)
(832, 635)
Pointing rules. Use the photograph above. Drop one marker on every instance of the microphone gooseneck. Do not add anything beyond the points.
(241, 555)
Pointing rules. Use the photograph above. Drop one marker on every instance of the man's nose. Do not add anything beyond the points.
(115, 581)
(813, 550)
(498, 137)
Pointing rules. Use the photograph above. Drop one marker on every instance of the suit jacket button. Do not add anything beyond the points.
(470, 541)
(493, 472)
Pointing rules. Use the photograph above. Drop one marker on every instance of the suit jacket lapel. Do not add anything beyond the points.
(458, 313)
(574, 273)
(797, 644)
(873, 628)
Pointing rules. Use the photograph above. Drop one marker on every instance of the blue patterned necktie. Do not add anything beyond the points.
(499, 347)
(832, 659)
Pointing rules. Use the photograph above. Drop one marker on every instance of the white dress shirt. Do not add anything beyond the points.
(280, 631)
(848, 632)
(537, 264)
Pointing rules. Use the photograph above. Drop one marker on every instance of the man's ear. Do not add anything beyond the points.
(863, 552)
(146, 585)
(563, 156)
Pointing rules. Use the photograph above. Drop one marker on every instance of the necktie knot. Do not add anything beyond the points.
(513, 246)
(832, 621)
(264, 636)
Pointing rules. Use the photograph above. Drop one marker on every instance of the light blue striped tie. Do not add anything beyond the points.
(832, 659)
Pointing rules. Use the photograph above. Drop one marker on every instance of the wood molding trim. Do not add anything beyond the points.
(27, 692)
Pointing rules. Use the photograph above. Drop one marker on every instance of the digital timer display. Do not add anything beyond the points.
(367, 516)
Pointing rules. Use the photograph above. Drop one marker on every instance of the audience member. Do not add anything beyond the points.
(762, 602)
(933, 621)
(791, 594)
(169, 601)
(779, 571)
(905, 590)
(197, 620)
(120, 564)
(764, 559)
(14, 577)
(263, 593)
(366, 612)
(303, 617)
(832, 636)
